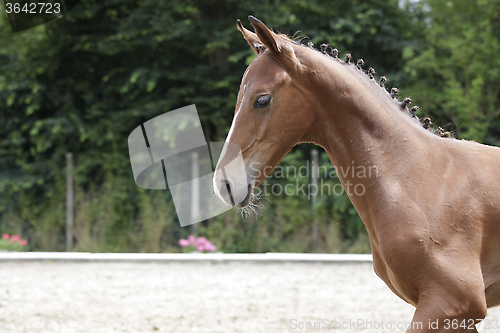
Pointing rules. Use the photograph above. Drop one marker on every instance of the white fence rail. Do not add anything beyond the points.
(179, 257)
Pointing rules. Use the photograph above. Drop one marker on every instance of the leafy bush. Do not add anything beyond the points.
(13, 243)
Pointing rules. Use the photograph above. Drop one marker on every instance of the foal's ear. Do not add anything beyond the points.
(252, 39)
(265, 35)
(264, 38)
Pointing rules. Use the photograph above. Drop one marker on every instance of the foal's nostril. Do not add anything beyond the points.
(226, 187)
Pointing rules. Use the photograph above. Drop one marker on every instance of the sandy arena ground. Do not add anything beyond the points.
(207, 297)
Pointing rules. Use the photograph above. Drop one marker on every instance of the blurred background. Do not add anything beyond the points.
(83, 82)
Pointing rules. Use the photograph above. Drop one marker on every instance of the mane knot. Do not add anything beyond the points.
(360, 63)
(394, 92)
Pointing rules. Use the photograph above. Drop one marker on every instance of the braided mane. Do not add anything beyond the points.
(333, 54)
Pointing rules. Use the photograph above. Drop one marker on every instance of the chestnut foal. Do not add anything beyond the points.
(432, 209)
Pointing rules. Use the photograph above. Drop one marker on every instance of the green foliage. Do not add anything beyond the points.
(375, 30)
(105, 222)
(455, 72)
(285, 221)
(12, 243)
(82, 83)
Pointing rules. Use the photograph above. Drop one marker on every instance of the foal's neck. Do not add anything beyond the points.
(361, 127)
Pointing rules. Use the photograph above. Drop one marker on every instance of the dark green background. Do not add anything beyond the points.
(82, 83)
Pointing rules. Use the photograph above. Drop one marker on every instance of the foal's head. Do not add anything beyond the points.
(273, 113)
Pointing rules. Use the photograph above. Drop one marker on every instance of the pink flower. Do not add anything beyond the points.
(23, 242)
(209, 246)
(201, 240)
(5, 236)
(200, 247)
(15, 237)
(191, 239)
(184, 242)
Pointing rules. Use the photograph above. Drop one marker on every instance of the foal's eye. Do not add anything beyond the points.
(262, 100)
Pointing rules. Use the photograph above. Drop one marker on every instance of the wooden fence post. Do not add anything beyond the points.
(69, 202)
(314, 192)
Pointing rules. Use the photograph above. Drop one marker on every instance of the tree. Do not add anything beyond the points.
(455, 71)
(84, 82)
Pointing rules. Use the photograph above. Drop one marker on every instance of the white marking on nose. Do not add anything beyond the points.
(232, 125)
(229, 135)
(224, 149)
